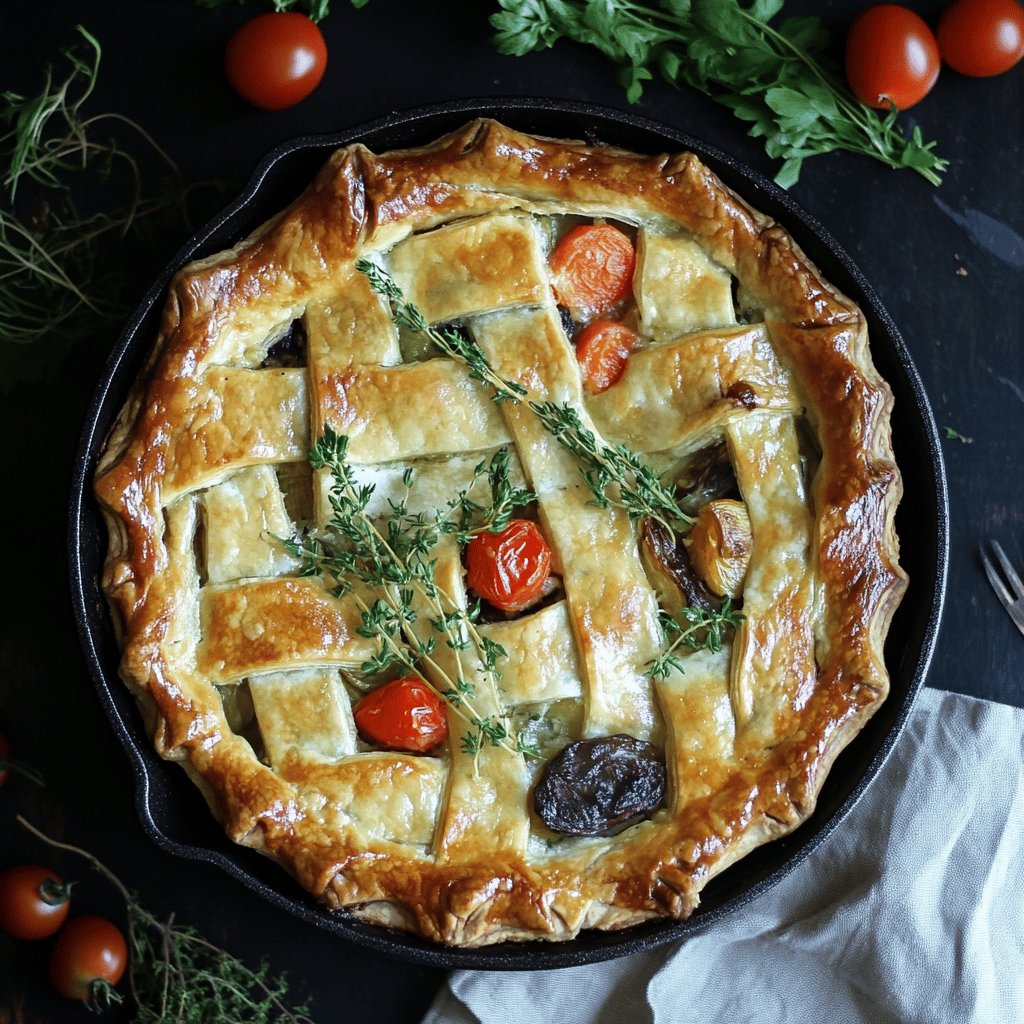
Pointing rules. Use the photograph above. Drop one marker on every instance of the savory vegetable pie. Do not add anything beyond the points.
(501, 536)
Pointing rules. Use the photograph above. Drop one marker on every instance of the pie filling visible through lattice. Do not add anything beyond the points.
(675, 662)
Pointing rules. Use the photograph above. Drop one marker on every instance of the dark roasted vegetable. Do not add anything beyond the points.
(670, 570)
(600, 786)
(709, 476)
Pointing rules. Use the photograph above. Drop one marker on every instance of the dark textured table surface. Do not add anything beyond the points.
(948, 263)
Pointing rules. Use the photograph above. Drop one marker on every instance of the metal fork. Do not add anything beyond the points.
(1012, 597)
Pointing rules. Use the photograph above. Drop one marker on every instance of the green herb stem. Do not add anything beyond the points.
(775, 77)
(177, 976)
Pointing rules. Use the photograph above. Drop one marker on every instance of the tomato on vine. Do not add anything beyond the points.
(33, 902)
(88, 960)
(276, 60)
(981, 38)
(892, 57)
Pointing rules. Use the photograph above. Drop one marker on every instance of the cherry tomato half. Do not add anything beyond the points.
(982, 37)
(89, 954)
(404, 714)
(276, 59)
(593, 269)
(33, 902)
(509, 569)
(603, 350)
(891, 57)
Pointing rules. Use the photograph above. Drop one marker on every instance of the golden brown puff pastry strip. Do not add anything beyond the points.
(247, 671)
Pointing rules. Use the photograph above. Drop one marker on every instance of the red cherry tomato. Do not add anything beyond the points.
(276, 59)
(404, 714)
(982, 37)
(593, 268)
(603, 350)
(891, 56)
(33, 902)
(509, 569)
(89, 955)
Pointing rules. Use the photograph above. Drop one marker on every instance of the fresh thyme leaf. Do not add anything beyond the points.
(954, 435)
(777, 77)
(705, 631)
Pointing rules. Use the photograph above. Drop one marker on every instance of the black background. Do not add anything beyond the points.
(162, 67)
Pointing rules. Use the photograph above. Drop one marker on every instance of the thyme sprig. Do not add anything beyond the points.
(175, 975)
(396, 562)
(705, 632)
(449, 341)
(474, 518)
(778, 78)
(639, 490)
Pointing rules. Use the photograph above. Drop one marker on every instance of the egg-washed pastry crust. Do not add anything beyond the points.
(207, 461)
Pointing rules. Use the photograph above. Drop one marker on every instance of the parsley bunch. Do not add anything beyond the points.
(776, 77)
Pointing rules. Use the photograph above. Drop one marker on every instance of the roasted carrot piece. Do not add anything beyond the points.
(593, 269)
(603, 349)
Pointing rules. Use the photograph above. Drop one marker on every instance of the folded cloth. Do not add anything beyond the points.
(911, 911)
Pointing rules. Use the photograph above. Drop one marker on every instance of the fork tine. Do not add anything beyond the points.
(993, 577)
(1008, 570)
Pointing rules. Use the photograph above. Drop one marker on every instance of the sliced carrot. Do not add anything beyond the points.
(593, 269)
(603, 349)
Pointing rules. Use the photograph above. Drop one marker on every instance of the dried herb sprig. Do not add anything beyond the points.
(779, 78)
(177, 976)
(396, 561)
(705, 632)
(62, 277)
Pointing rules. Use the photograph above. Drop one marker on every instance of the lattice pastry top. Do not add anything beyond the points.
(744, 387)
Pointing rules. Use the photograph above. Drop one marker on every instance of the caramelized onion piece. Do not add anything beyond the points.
(719, 546)
(600, 786)
(670, 571)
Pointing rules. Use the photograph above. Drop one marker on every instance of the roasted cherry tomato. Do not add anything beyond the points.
(276, 59)
(509, 569)
(891, 57)
(404, 714)
(593, 269)
(603, 349)
(982, 37)
(33, 902)
(89, 955)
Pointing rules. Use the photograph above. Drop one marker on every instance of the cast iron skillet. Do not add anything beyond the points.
(171, 809)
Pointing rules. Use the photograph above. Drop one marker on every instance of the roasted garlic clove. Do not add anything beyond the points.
(719, 546)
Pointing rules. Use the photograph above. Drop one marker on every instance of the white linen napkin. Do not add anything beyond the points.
(911, 911)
